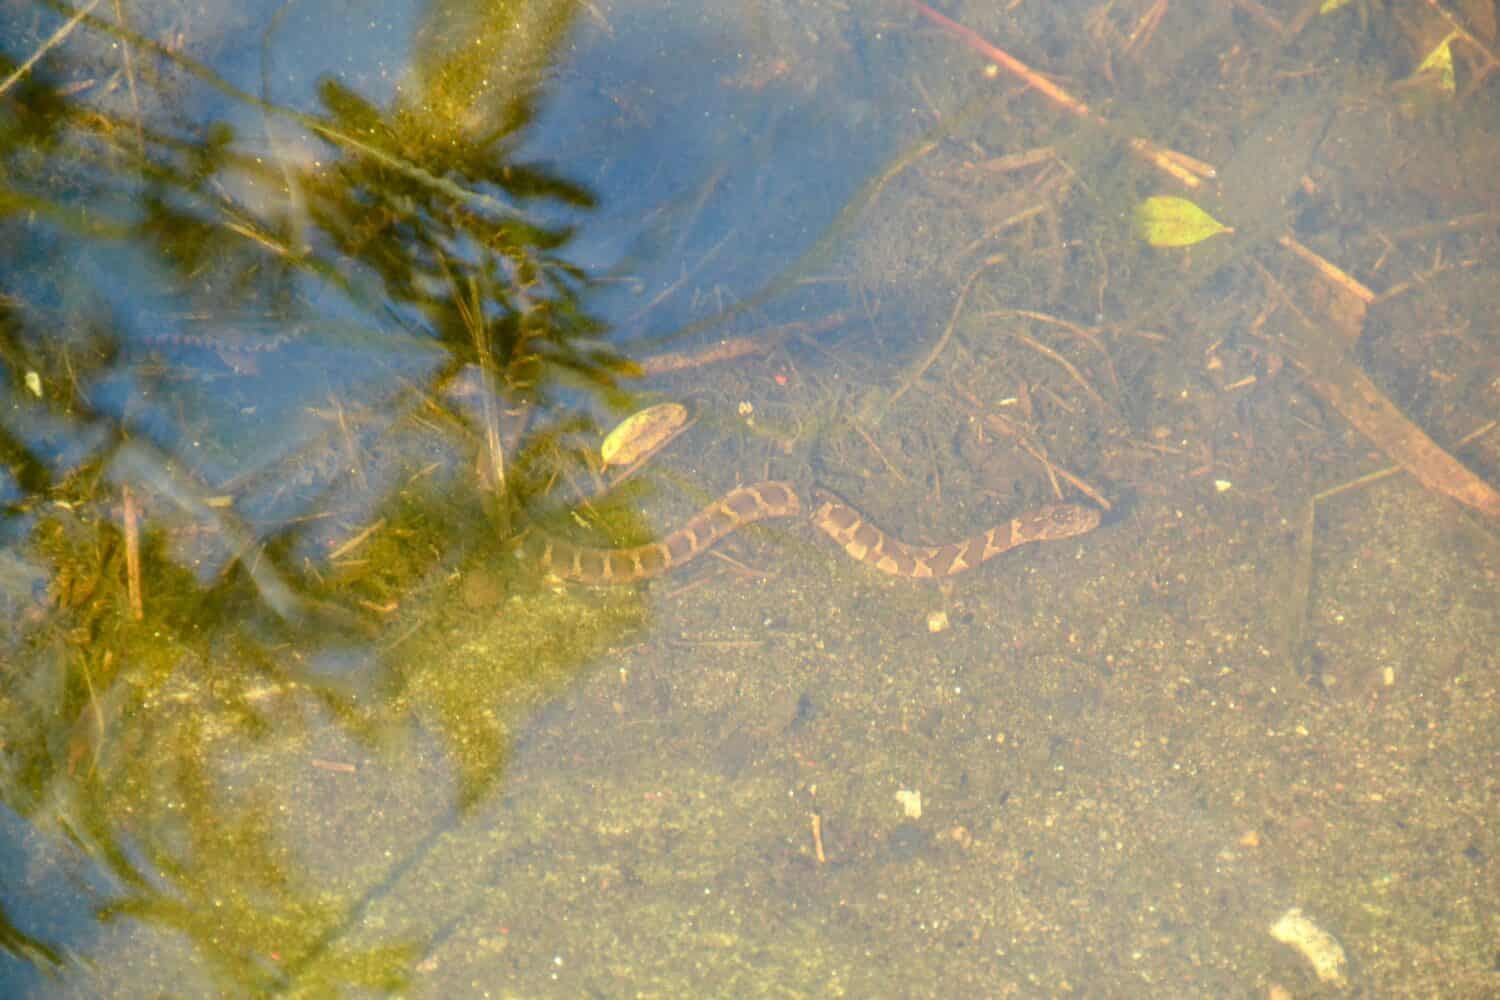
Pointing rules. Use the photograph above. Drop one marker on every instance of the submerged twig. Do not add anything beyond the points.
(1328, 269)
(1022, 438)
(128, 62)
(1062, 362)
(1186, 169)
(471, 311)
(1294, 631)
(942, 342)
(1332, 374)
(47, 46)
(132, 520)
(1054, 470)
(1007, 61)
(878, 453)
(731, 348)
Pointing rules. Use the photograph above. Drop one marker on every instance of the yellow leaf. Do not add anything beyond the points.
(1329, 6)
(1164, 221)
(1439, 63)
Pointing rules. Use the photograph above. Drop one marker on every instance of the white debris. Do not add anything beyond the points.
(1320, 948)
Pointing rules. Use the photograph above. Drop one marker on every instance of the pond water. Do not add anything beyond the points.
(325, 668)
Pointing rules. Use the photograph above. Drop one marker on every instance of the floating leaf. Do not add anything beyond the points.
(641, 434)
(1164, 221)
(1439, 65)
(1329, 6)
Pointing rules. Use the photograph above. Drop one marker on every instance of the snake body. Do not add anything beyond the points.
(859, 538)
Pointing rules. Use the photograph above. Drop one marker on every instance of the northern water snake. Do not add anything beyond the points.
(771, 499)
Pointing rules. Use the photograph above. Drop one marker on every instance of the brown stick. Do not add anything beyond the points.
(1053, 469)
(1005, 60)
(133, 554)
(1259, 13)
(738, 347)
(942, 341)
(1328, 270)
(1331, 374)
(878, 453)
(57, 38)
(1018, 161)
(1063, 362)
(1489, 57)
(1183, 168)
(1007, 428)
(724, 350)
(1144, 28)
(1082, 332)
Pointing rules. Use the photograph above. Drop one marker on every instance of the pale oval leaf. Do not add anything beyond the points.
(641, 434)
(1165, 221)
